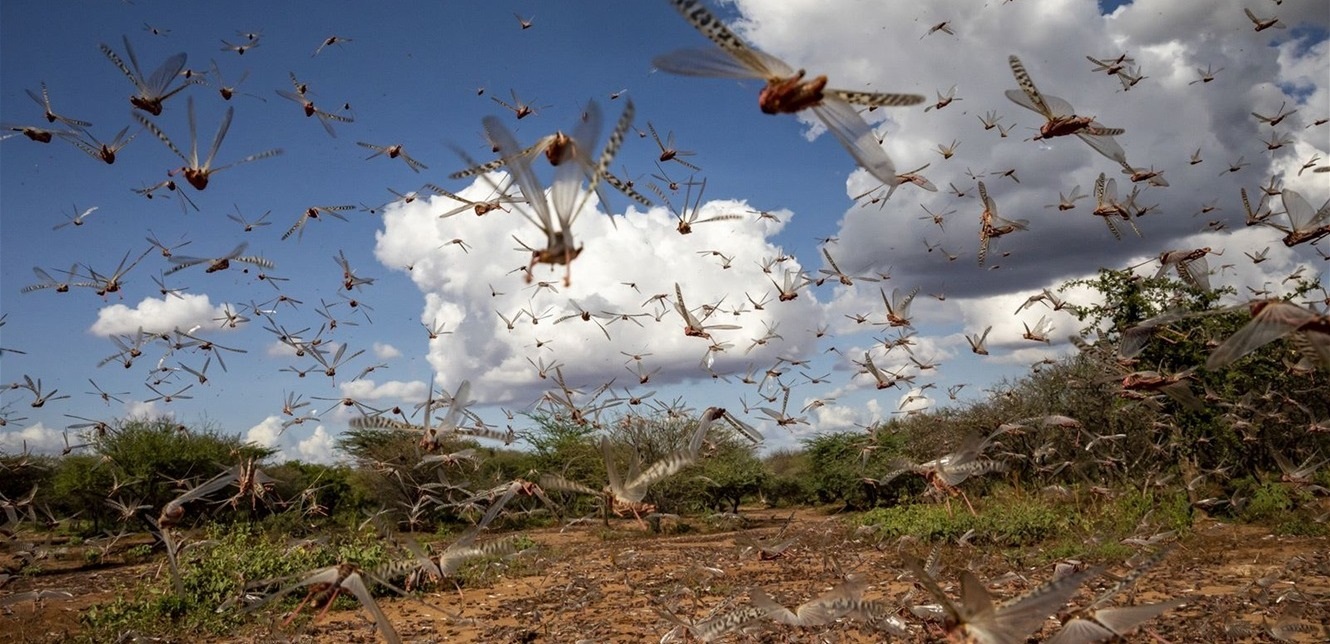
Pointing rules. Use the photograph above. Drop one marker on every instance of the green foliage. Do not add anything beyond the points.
(214, 574)
(1089, 550)
(786, 482)
(24, 472)
(1269, 500)
(731, 474)
(1285, 508)
(1009, 518)
(564, 446)
(1130, 508)
(155, 453)
(1021, 522)
(727, 472)
(389, 473)
(315, 491)
(924, 521)
(838, 464)
(1011, 523)
(1210, 437)
(79, 485)
(138, 553)
(1130, 299)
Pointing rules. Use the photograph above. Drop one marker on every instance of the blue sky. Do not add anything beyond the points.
(413, 78)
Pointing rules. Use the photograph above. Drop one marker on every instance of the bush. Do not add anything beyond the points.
(155, 454)
(839, 463)
(215, 575)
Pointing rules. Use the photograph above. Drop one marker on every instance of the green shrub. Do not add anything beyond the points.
(1268, 501)
(924, 521)
(838, 464)
(215, 572)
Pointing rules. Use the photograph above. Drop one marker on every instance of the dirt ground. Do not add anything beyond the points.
(588, 584)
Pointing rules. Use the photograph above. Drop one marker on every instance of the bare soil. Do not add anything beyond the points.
(589, 583)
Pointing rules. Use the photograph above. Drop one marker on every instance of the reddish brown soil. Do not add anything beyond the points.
(586, 583)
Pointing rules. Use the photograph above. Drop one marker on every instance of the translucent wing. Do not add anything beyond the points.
(523, 175)
(356, 585)
(167, 72)
(1018, 97)
(461, 399)
(568, 176)
(1273, 321)
(611, 470)
(976, 602)
(1124, 619)
(710, 63)
(1059, 107)
(221, 133)
(1022, 616)
(1078, 631)
(1105, 145)
(930, 584)
(854, 134)
(1300, 213)
(1195, 272)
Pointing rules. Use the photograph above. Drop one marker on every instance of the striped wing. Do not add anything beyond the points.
(704, 21)
(491, 166)
(636, 489)
(381, 422)
(1016, 619)
(561, 484)
(602, 167)
(1023, 80)
(871, 99)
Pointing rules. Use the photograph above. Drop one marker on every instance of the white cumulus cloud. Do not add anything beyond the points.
(154, 315)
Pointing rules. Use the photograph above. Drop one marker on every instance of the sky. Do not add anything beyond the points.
(425, 77)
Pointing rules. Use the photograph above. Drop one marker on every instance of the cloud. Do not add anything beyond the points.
(318, 446)
(267, 433)
(365, 389)
(385, 351)
(913, 400)
(1166, 119)
(625, 264)
(154, 315)
(36, 438)
(141, 409)
(837, 418)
